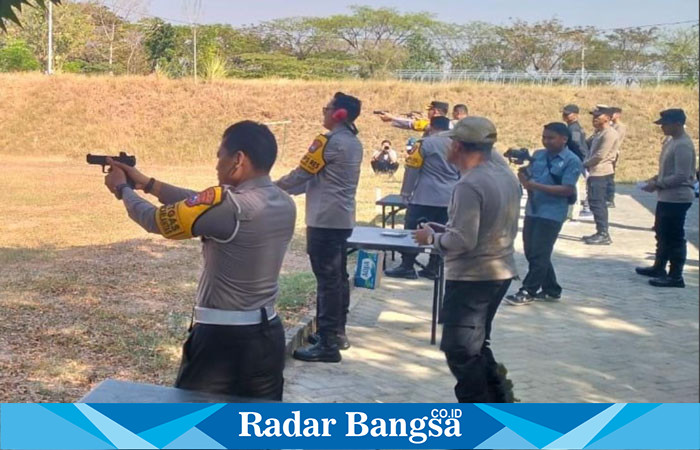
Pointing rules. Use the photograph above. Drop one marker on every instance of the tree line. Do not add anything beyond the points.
(92, 37)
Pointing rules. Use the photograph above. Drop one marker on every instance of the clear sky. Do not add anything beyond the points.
(603, 14)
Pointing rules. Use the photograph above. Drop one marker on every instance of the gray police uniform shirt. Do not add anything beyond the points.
(676, 175)
(578, 135)
(603, 147)
(330, 192)
(244, 239)
(429, 178)
(564, 167)
(483, 223)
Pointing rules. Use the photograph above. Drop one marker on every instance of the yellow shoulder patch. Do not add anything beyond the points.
(420, 124)
(313, 161)
(414, 159)
(176, 221)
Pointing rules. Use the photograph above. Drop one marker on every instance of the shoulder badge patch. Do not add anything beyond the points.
(177, 220)
(313, 161)
(414, 159)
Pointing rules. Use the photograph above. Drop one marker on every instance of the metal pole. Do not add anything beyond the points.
(49, 63)
(195, 53)
(583, 65)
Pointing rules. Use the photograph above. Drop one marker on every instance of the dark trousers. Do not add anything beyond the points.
(539, 236)
(383, 166)
(415, 214)
(327, 249)
(245, 361)
(467, 314)
(670, 236)
(597, 189)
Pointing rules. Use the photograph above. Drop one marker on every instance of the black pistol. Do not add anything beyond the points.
(101, 160)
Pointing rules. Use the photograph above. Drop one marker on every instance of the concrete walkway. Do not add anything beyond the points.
(613, 338)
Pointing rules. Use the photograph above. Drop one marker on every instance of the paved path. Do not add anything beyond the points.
(613, 338)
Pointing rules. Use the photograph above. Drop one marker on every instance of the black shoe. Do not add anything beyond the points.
(320, 352)
(427, 273)
(402, 272)
(653, 271)
(610, 205)
(520, 298)
(343, 342)
(667, 281)
(598, 239)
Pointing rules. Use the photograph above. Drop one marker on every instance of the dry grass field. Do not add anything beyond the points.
(86, 294)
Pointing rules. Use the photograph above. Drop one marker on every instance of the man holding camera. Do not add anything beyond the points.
(385, 160)
(599, 163)
(477, 245)
(236, 344)
(328, 174)
(550, 181)
(426, 188)
(674, 187)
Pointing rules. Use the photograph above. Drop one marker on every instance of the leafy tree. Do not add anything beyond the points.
(422, 54)
(297, 36)
(7, 12)
(377, 37)
(679, 50)
(159, 42)
(17, 57)
(633, 48)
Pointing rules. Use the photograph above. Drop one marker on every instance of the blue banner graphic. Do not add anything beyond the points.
(41, 426)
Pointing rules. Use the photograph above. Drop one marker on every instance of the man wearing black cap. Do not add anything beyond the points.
(599, 164)
(674, 187)
(435, 109)
(427, 187)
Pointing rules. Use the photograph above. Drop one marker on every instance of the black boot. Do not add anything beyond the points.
(431, 270)
(325, 350)
(675, 274)
(656, 271)
(667, 281)
(343, 342)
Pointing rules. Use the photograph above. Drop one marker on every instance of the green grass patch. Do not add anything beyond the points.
(296, 290)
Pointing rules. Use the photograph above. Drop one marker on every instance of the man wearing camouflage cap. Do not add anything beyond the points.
(477, 246)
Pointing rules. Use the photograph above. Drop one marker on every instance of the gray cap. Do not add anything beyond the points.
(473, 130)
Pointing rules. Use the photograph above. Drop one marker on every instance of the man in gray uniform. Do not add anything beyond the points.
(477, 245)
(599, 163)
(329, 174)
(427, 187)
(674, 187)
(435, 109)
(236, 345)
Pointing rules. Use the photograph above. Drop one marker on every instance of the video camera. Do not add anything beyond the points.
(518, 156)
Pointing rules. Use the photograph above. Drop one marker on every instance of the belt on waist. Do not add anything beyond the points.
(211, 316)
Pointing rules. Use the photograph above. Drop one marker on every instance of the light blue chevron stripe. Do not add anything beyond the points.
(506, 439)
(117, 434)
(531, 432)
(161, 435)
(582, 434)
(194, 439)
